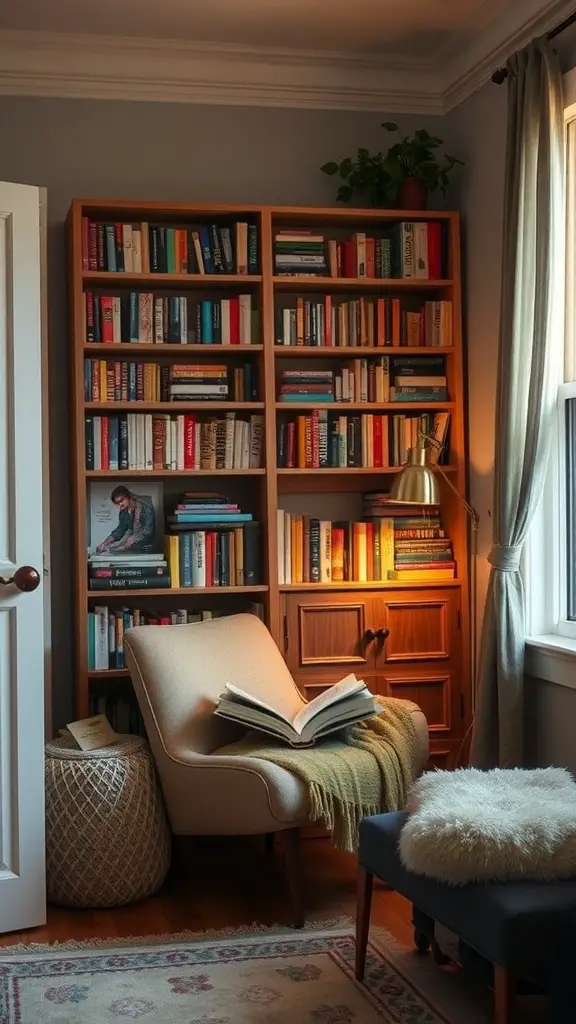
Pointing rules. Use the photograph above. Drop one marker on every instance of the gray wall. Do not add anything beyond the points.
(156, 152)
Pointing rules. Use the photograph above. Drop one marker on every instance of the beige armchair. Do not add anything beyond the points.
(178, 675)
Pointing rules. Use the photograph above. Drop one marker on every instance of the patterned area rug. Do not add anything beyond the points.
(277, 977)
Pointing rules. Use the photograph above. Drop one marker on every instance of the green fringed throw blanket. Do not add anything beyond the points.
(367, 770)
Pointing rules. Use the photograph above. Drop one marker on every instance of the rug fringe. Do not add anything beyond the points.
(211, 934)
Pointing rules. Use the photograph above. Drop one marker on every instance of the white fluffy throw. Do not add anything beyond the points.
(471, 826)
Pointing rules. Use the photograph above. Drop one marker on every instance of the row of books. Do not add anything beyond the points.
(115, 380)
(323, 439)
(363, 322)
(401, 379)
(421, 544)
(192, 249)
(146, 441)
(316, 551)
(122, 712)
(106, 626)
(148, 318)
(408, 249)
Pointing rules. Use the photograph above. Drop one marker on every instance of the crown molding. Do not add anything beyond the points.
(76, 66)
(469, 67)
(114, 68)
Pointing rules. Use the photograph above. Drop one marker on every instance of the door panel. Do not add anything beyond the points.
(22, 893)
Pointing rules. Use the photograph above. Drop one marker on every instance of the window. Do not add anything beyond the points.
(550, 555)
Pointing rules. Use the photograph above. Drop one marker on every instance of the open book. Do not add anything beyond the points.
(346, 702)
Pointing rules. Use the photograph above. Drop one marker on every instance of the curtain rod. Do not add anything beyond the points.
(501, 74)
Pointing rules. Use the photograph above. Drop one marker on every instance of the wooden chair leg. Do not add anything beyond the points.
(504, 995)
(291, 843)
(363, 904)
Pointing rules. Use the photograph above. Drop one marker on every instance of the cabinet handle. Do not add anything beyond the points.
(376, 634)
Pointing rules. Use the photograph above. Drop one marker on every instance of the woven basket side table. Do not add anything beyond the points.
(107, 836)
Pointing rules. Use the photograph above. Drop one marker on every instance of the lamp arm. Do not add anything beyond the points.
(474, 517)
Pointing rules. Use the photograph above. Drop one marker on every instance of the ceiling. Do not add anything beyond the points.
(385, 55)
(411, 28)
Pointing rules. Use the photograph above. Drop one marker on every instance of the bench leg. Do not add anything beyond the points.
(363, 904)
(504, 995)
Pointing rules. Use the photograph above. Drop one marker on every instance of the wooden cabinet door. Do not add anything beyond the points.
(325, 637)
(421, 659)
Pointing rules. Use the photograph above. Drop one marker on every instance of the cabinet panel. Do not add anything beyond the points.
(325, 636)
(421, 623)
(432, 693)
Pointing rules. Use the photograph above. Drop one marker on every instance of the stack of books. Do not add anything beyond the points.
(418, 379)
(299, 253)
(198, 382)
(144, 248)
(422, 549)
(212, 543)
(306, 386)
(123, 571)
(148, 319)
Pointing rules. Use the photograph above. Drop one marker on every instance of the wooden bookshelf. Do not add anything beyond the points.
(318, 626)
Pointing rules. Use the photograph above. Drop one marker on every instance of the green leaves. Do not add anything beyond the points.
(376, 177)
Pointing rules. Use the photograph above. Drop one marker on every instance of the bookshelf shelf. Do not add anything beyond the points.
(108, 673)
(287, 588)
(347, 284)
(340, 407)
(104, 278)
(433, 614)
(173, 407)
(134, 349)
(358, 351)
(95, 595)
(102, 474)
(349, 471)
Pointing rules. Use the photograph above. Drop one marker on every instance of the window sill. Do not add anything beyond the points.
(553, 658)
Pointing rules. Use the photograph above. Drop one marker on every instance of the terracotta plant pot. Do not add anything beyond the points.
(412, 194)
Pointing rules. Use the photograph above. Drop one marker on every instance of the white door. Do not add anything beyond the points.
(22, 884)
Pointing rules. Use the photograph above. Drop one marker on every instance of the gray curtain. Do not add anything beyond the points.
(530, 321)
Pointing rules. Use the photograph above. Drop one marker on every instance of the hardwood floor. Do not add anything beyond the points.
(230, 884)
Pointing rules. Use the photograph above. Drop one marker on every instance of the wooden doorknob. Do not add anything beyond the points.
(26, 579)
(382, 633)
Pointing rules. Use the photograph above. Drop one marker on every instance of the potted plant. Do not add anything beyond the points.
(369, 178)
(420, 168)
(403, 176)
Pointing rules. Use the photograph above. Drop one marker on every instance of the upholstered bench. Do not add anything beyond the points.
(520, 927)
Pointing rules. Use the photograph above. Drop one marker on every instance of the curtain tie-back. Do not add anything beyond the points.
(507, 559)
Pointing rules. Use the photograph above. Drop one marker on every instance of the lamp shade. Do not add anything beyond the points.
(417, 483)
